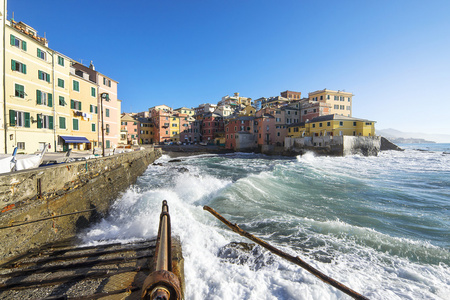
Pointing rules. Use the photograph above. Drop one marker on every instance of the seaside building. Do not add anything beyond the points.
(239, 133)
(48, 99)
(332, 125)
(212, 127)
(145, 131)
(340, 101)
(291, 95)
(235, 100)
(160, 116)
(129, 124)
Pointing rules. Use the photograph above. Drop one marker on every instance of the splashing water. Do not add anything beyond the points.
(379, 225)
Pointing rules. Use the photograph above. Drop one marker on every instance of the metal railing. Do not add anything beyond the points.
(162, 284)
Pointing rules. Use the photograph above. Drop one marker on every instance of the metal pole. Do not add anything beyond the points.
(103, 131)
(162, 284)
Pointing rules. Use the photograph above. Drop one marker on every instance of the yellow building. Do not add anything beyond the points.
(340, 102)
(174, 128)
(49, 98)
(83, 116)
(248, 111)
(335, 125)
(30, 90)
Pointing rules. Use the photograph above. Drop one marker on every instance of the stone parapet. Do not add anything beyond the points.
(61, 189)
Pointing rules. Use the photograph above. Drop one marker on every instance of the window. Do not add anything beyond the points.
(74, 104)
(60, 61)
(321, 97)
(342, 98)
(93, 109)
(76, 86)
(21, 145)
(336, 106)
(354, 123)
(43, 76)
(62, 123)
(369, 123)
(62, 102)
(19, 118)
(75, 124)
(107, 112)
(41, 54)
(341, 123)
(349, 107)
(313, 125)
(107, 129)
(60, 83)
(336, 98)
(342, 107)
(328, 97)
(93, 127)
(106, 82)
(18, 43)
(44, 121)
(349, 99)
(18, 66)
(108, 144)
(320, 124)
(305, 112)
(19, 91)
(93, 92)
(328, 123)
(43, 98)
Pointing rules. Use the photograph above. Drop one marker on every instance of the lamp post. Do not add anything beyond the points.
(103, 96)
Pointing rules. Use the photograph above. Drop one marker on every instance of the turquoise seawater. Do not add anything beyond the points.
(380, 225)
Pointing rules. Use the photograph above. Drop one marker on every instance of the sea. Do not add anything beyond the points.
(380, 225)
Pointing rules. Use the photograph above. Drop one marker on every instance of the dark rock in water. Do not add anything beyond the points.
(446, 153)
(157, 164)
(244, 253)
(183, 170)
(388, 145)
(174, 160)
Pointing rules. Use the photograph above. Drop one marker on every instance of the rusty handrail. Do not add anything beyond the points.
(162, 284)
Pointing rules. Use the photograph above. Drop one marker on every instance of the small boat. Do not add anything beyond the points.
(8, 164)
(31, 161)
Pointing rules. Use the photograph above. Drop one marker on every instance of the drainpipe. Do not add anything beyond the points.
(54, 99)
(5, 124)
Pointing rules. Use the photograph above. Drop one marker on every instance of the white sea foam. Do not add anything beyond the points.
(371, 262)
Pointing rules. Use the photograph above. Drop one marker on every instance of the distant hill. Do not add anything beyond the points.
(400, 137)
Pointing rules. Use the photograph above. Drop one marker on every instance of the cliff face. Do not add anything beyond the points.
(61, 189)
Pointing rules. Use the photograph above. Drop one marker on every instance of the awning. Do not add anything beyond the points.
(74, 139)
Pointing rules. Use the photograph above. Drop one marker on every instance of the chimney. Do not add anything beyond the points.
(91, 66)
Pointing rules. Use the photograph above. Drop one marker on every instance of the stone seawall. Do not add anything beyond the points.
(61, 189)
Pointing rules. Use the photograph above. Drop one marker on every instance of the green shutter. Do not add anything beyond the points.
(40, 74)
(62, 123)
(50, 122)
(96, 110)
(12, 118)
(13, 40)
(39, 121)
(24, 45)
(48, 77)
(24, 69)
(27, 119)
(75, 124)
(93, 127)
(90, 108)
(38, 97)
(80, 105)
(50, 100)
(72, 104)
(39, 52)
(13, 64)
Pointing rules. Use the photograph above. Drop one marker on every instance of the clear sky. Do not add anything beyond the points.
(394, 56)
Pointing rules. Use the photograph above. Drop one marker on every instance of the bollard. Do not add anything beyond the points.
(162, 284)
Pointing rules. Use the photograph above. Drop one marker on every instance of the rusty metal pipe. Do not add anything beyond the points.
(162, 284)
(162, 261)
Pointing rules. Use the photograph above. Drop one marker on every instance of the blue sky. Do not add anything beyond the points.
(392, 55)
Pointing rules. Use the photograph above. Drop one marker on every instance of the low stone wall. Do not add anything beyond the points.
(335, 146)
(61, 189)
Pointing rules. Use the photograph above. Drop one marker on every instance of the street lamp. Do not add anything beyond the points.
(103, 96)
